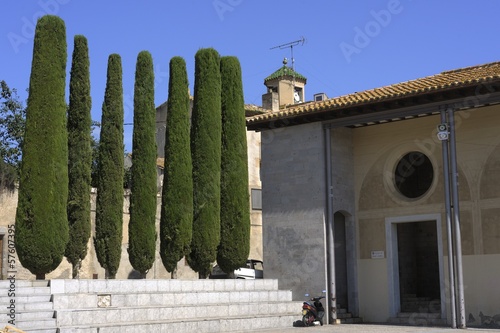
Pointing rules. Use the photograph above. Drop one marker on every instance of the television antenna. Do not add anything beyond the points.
(290, 45)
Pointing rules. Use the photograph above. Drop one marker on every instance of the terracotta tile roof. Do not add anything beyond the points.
(464, 77)
(252, 110)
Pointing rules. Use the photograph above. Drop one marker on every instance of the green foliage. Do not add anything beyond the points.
(109, 202)
(41, 218)
(127, 178)
(176, 222)
(206, 156)
(12, 124)
(7, 176)
(142, 225)
(234, 245)
(79, 155)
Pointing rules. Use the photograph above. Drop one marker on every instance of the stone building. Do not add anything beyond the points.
(254, 185)
(357, 200)
(91, 267)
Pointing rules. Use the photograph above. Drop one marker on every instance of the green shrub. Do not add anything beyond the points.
(206, 155)
(142, 225)
(109, 201)
(235, 206)
(79, 155)
(41, 217)
(176, 222)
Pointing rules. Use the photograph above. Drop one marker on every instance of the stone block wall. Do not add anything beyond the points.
(293, 196)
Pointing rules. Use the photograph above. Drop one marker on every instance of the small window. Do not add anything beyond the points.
(256, 199)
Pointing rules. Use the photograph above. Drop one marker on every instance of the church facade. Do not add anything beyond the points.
(367, 195)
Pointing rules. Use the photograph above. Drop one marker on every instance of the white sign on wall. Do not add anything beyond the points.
(378, 254)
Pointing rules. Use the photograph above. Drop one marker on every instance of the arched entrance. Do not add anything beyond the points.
(342, 266)
(340, 246)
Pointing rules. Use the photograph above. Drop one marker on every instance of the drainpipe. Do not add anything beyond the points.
(456, 216)
(449, 229)
(331, 303)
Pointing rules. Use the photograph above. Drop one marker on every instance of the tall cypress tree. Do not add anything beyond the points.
(235, 206)
(41, 218)
(206, 155)
(79, 155)
(176, 222)
(142, 225)
(109, 201)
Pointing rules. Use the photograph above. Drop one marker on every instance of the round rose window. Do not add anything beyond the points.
(413, 175)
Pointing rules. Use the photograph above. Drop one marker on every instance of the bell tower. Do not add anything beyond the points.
(284, 87)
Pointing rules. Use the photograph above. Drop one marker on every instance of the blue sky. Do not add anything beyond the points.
(350, 45)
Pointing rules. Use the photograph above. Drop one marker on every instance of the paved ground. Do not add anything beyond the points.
(374, 329)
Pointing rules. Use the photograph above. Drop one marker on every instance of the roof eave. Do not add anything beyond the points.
(385, 107)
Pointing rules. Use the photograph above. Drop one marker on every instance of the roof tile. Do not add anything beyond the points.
(454, 78)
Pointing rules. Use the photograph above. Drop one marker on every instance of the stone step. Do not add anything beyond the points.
(42, 330)
(204, 325)
(421, 309)
(344, 315)
(101, 316)
(424, 306)
(421, 301)
(23, 291)
(150, 305)
(419, 314)
(48, 323)
(355, 320)
(151, 286)
(415, 299)
(86, 301)
(34, 306)
(33, 314)
(6, 284)
(5, 300)
(12, 328)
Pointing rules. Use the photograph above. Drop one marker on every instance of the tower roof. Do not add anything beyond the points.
(285, 71)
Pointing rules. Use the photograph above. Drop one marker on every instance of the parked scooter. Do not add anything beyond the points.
(313, 311)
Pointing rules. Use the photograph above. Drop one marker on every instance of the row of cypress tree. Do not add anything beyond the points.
(205, 206)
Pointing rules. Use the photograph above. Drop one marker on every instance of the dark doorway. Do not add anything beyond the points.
(339, 237)
(418, 267)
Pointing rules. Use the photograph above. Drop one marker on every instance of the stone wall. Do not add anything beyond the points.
(293, 196)
(91, 267)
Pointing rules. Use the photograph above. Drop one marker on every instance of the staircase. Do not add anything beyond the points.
(109, 306)
(419, 311)
(30, 305)
(344, 317)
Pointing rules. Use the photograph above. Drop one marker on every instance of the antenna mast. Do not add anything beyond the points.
(301, 41)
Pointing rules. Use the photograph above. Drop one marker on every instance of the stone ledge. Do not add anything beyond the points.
(68, 286)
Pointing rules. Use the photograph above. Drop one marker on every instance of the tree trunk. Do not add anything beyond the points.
(76, 269)
(40, 276)
(202, 276)
(143, 275)
(173, 275)
(108, 276)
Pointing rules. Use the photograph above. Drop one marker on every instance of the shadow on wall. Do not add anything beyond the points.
(134, 275)
(484, 321)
